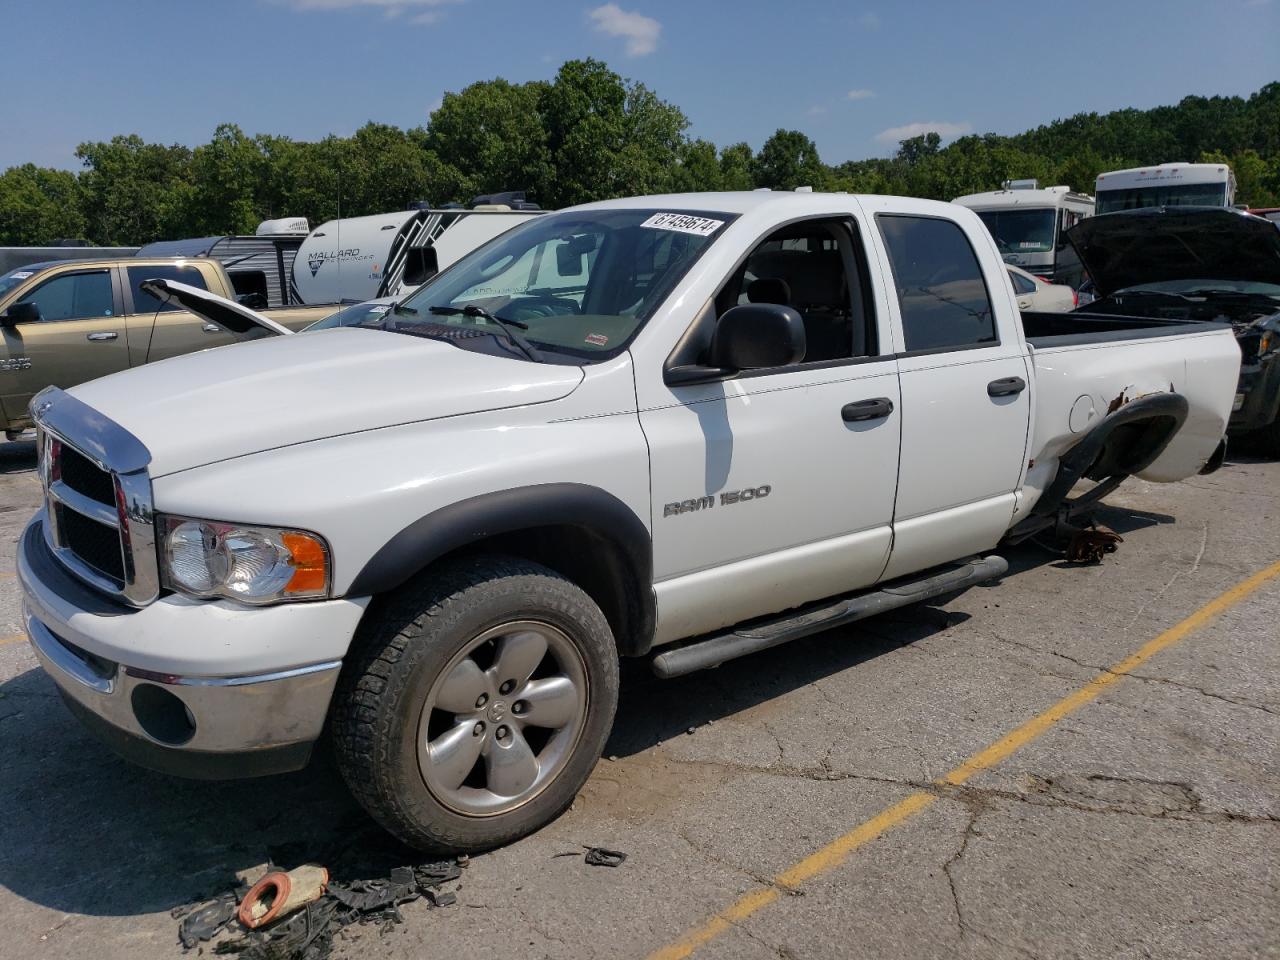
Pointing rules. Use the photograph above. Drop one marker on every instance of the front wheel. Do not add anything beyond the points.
(476, 703)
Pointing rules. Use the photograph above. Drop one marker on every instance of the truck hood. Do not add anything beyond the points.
(247, 397)
(232, 317)
(1132, 247)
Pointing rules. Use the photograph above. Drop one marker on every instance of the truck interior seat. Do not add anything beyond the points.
(813, 282)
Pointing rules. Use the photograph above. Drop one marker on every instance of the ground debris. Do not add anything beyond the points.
(309, 933)
(1091, 545)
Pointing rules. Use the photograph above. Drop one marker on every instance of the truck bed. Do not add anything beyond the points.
(1079, 327)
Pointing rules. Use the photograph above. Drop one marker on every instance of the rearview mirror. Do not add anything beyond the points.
(755, 336)
(24, 312)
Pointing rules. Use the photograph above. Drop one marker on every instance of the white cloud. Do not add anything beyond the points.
(817, 110)
(942, 128)
(423, 11)
(641, 32)
(861, 94)
(869, 20)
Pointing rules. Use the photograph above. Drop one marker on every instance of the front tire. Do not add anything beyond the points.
(475, 703)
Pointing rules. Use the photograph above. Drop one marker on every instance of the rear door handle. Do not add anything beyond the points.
(1006, 387)
(876, 409)
(102, 336)
(211, 328)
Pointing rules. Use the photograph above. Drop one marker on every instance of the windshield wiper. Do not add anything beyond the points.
(401, 308)
(511, 328)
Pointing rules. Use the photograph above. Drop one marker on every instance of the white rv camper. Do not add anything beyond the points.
(1029, 225)
(1166, 185)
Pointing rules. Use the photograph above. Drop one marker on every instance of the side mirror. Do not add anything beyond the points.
(24, 312)
(755, 336)
(254, 301)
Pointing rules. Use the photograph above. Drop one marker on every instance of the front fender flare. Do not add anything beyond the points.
(479, 518)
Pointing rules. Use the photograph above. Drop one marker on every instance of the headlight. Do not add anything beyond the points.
(203, 558)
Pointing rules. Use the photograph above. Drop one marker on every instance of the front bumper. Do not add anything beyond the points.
(215, 724)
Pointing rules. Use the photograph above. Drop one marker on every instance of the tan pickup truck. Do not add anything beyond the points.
(68, 321)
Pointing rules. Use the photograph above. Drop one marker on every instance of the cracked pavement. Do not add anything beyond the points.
(1146, 824)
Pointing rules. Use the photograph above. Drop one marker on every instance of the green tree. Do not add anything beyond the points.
(38, 205)
(697, 168)
(735, 167)
(492, 133)
(607, 136)
(229, 183)
(788, 159)
(135, 192)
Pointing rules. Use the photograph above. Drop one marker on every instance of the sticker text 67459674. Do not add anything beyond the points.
(683, 223)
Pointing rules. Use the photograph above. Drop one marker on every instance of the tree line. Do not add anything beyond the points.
(588, 134)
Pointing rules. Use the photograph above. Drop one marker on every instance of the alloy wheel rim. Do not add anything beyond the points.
(503, 718)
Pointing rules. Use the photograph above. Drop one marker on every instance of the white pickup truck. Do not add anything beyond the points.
(683, 427)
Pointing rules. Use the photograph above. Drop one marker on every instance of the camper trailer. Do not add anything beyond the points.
(392, 254)
(260, 266)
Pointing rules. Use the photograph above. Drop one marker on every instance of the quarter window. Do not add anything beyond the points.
(1021, 284)
(942, 295)
(144, 302)
(74, 296)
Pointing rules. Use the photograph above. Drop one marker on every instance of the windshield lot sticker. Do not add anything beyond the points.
(599, 339)
(682, 223)
(22, 276)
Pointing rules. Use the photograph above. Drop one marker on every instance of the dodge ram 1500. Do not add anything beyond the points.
(682, 427)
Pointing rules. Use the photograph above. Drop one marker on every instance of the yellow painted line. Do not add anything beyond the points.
(16, 638)
(833, 854)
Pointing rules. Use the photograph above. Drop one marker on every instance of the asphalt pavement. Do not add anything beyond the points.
(988, 778)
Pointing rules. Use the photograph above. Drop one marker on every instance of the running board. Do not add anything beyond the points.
(751, 638)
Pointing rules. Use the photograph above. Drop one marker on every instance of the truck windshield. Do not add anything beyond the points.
(1021, 231)
(13, 278)
(1167, 195)
(578, 284)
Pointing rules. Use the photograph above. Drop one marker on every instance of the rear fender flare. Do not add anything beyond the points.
(1163, 412)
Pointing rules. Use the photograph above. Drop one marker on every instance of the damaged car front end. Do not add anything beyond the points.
(1198, 263)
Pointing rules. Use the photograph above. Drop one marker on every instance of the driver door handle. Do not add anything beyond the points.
(876, 409)
(101, 336)
(211, 328)
(1006, 387)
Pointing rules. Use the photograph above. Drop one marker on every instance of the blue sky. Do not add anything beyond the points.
(854, 76)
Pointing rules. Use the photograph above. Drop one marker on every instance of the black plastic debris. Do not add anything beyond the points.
(203, 923)
(309, 933)
(600, 857)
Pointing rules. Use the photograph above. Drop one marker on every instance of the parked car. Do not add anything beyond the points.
(1036, 293)
(68, 321)
(1198, 263)
(593, 437)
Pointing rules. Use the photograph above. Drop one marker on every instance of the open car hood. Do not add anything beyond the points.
(224, 313)
(1157, 244)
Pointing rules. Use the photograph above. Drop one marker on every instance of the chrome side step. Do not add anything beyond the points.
(761, 635)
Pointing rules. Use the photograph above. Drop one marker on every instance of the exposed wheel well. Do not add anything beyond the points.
(583, 556)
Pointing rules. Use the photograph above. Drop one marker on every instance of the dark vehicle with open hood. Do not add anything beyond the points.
(1198, 263)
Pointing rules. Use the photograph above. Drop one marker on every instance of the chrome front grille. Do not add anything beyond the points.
(99, 519)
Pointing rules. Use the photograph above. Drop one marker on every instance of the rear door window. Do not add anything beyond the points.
(144, 302)
(74, 296)
(941, 292)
